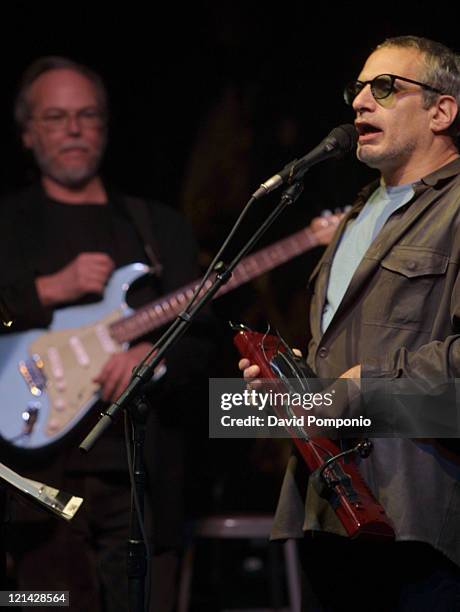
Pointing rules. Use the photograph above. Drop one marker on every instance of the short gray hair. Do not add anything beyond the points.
(442, 70)
(22, 110)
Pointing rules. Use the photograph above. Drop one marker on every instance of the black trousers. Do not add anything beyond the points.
(343, 575)
(87, 556)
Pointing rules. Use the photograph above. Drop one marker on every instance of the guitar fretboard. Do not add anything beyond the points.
(156, 314)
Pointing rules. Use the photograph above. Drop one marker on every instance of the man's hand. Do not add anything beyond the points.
(116, 374)
(87, 273)
(251, 371)
(354, 372)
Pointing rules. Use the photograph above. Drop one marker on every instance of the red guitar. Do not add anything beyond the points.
(339, 481)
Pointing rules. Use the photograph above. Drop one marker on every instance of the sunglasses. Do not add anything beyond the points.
(382, 86)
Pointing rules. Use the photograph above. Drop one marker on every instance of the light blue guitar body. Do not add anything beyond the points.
(46, 376)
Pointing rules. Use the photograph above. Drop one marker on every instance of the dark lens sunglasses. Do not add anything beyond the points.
(381, 87)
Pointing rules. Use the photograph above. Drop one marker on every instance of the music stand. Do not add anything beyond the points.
(55, 501)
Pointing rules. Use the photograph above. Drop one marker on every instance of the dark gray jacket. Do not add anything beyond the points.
(400, 318)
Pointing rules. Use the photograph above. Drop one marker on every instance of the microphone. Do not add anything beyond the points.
(338, 143)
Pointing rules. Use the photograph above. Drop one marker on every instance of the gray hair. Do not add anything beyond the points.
(22, 107)
(442, 70)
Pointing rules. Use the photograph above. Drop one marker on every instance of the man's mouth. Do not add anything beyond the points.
(366, 131)
(73, 148)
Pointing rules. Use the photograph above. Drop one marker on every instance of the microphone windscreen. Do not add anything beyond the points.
(345, 138)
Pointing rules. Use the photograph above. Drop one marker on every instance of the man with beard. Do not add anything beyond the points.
(386, 305)
(62, 239)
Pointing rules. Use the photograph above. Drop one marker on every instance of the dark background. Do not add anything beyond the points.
(208, 99)
(167, 65)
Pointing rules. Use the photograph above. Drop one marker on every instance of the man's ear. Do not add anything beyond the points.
(27, 137)
(444, 112)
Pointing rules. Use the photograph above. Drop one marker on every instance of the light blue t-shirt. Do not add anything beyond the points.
(357, 238)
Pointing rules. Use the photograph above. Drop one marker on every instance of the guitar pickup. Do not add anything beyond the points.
(33, 374)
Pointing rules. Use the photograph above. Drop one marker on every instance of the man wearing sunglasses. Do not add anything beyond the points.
(386, 305)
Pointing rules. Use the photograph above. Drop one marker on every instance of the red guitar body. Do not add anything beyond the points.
(356, 507)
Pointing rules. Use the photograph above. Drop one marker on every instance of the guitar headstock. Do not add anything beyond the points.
(325, 225)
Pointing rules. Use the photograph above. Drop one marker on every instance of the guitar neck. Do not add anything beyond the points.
(154, 315)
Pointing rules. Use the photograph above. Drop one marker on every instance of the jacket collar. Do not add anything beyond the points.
(386, 239)
(446, 172)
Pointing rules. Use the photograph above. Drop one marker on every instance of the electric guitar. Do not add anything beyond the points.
(46, 377)
(335, 479)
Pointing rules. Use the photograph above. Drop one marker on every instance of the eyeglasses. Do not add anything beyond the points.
(381, 87)
(55, 120)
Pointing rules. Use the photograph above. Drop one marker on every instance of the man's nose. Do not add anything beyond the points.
(364, 100)
(73, 124)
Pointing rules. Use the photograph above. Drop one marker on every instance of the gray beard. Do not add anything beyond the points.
(393, 157)
(72, 178)
(371, 160)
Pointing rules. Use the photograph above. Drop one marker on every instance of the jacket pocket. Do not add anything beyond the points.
(413, 262)
(407, 288)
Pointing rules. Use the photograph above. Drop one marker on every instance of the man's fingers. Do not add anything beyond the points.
(120, 387)
(243, 363)
(96, 258)
(108, 378)
(109, 386)
(251, 372)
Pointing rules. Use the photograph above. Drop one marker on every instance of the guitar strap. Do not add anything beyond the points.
(138, 211)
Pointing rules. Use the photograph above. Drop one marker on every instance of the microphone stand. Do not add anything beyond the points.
(137, 559)
(133, 400)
